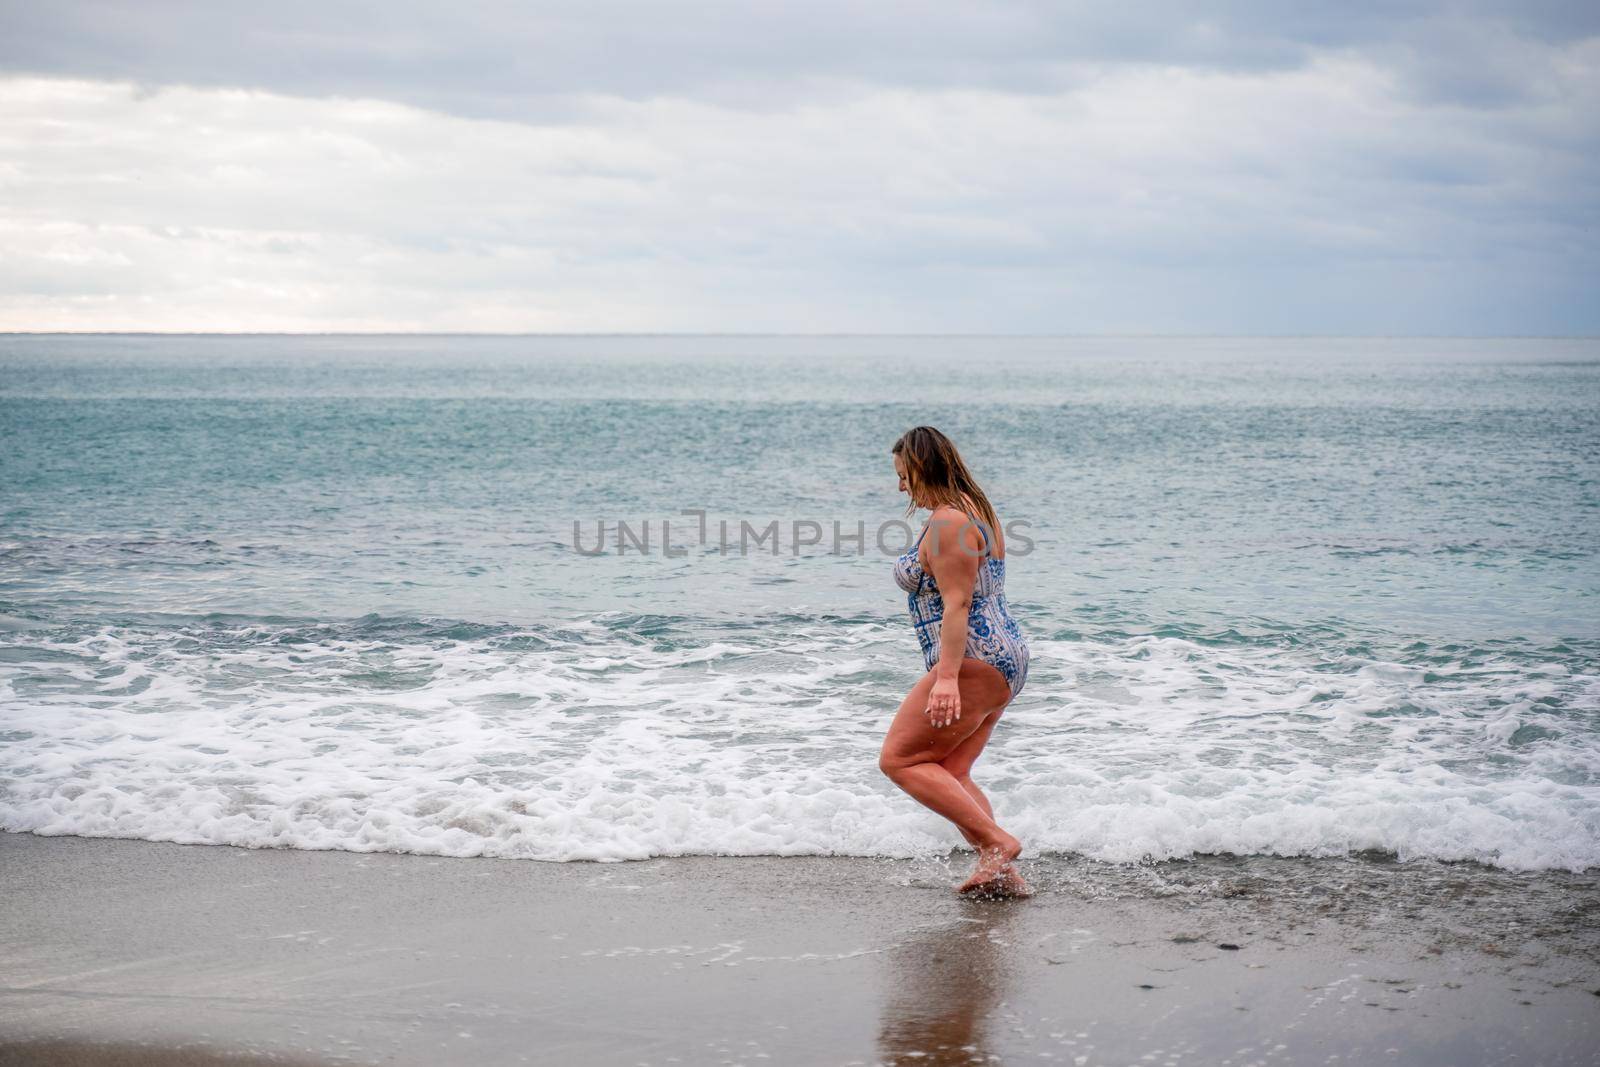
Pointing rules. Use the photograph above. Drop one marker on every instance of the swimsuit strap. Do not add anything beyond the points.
(988, 549)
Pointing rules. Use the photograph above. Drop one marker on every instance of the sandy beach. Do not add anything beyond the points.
(132, 952)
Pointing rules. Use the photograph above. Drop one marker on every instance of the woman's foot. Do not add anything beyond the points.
(993, 859)
(1012, 884)
(1007, 885)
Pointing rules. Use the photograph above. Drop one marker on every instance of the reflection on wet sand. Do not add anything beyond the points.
(942, 984)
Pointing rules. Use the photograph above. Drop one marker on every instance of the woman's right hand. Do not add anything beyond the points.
(944, 702)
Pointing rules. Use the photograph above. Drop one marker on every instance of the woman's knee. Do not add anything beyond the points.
(963, 776)
(892, 764)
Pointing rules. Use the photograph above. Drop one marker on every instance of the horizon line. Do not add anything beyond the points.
(823, 333)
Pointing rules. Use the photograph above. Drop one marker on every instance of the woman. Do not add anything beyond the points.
(974, 652)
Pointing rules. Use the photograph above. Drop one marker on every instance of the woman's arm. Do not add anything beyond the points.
(955, 547)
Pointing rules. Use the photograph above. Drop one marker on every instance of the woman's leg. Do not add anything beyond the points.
(960, 760)
(913, 751)
(959, 764)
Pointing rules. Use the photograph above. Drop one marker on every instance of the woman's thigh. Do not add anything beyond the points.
(964, 755)
(912, 739)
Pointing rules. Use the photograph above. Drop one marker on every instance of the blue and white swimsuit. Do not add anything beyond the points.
(992, 634)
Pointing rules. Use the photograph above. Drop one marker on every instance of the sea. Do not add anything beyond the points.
(571, 598)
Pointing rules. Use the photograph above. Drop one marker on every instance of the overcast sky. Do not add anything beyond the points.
(1249, 167)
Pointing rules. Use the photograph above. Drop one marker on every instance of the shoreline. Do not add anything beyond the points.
(315, 957)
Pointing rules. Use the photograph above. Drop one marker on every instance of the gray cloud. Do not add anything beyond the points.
(1365, 167)
(507, 59)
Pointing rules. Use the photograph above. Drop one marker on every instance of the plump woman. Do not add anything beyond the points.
(975, 653)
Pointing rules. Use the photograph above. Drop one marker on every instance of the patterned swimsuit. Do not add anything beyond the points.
(992, 634)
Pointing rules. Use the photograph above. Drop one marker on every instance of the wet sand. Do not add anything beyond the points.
(132, 952)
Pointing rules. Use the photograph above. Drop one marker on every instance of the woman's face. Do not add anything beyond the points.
(900, 470)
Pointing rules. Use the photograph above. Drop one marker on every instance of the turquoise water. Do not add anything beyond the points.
(1284, 596)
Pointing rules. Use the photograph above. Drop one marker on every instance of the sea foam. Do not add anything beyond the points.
(593, 743)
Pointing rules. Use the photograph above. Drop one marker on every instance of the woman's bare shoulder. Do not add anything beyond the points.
(947, 522)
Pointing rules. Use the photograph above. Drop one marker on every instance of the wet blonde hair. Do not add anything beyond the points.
(937, 476)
